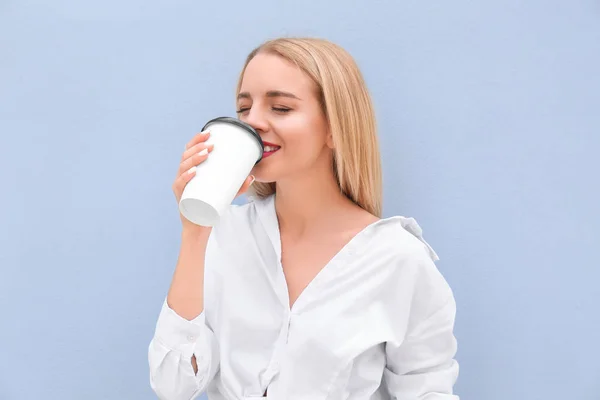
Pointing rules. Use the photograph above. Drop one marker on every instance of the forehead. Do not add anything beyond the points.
(267, 72)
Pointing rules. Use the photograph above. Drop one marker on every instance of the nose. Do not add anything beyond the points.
(256, 119)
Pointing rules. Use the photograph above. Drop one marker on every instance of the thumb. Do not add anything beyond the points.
(246, 185)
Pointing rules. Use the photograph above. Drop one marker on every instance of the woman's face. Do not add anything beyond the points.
(280, 102)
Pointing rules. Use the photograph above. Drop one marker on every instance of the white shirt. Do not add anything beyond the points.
(375, 323)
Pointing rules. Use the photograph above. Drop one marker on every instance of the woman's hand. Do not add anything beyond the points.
(196, 152)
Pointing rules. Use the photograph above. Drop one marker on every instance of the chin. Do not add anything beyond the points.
(276, 169)
(265, 173)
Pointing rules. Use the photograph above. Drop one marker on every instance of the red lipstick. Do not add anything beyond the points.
(270, 149)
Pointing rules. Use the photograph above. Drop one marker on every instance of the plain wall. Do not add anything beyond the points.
(489, 116)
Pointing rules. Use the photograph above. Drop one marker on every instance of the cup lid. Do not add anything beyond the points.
(243, 125)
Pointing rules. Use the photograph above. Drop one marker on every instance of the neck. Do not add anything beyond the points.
(309, 201)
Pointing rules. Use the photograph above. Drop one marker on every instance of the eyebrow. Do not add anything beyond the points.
(270, 93)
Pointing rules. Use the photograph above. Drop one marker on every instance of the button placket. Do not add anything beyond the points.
(282, 340)
(287, 328)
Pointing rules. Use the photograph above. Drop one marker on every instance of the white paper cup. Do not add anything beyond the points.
(237, 148)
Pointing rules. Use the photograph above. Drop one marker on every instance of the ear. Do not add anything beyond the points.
(330, 140)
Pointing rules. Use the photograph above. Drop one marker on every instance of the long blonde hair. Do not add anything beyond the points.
(349, 112)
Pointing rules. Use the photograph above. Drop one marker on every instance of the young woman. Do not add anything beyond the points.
(305, 292)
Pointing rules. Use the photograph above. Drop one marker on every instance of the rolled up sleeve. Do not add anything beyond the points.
(423, 367)
(175, 341)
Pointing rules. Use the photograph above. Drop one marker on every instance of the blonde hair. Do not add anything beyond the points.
(348, 109)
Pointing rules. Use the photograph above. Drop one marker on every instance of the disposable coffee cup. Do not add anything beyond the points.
(237, 148)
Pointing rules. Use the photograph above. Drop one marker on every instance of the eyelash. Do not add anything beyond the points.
(278, 109)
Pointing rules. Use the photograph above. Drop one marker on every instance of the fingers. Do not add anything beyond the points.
(194, 156)
(196, 152)
(198, 138)
(196, 146)
(246, 185)
(183, 180)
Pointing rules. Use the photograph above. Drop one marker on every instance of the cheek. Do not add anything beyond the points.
(303, 141)
(301, 133)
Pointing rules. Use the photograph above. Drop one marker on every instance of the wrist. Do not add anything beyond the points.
(196, 233)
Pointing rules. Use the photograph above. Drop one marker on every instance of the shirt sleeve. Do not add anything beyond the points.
(420, 363)
(170, 352)
(422, 366)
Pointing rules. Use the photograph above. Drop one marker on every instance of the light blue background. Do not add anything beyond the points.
(489, 117)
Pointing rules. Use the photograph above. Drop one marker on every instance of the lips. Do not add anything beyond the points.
(269, 148)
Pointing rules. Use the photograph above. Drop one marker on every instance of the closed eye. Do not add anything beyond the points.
(242, 110)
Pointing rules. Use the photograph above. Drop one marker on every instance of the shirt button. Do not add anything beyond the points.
(190, 338)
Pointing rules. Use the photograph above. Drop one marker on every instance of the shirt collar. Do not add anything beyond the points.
(265, 208)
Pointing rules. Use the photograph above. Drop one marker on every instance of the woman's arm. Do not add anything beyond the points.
(186, 294)
(423, 365)
(183, 354)
(420, 362)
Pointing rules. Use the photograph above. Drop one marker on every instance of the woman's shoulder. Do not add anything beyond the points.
(412, 258)
(401, 236)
